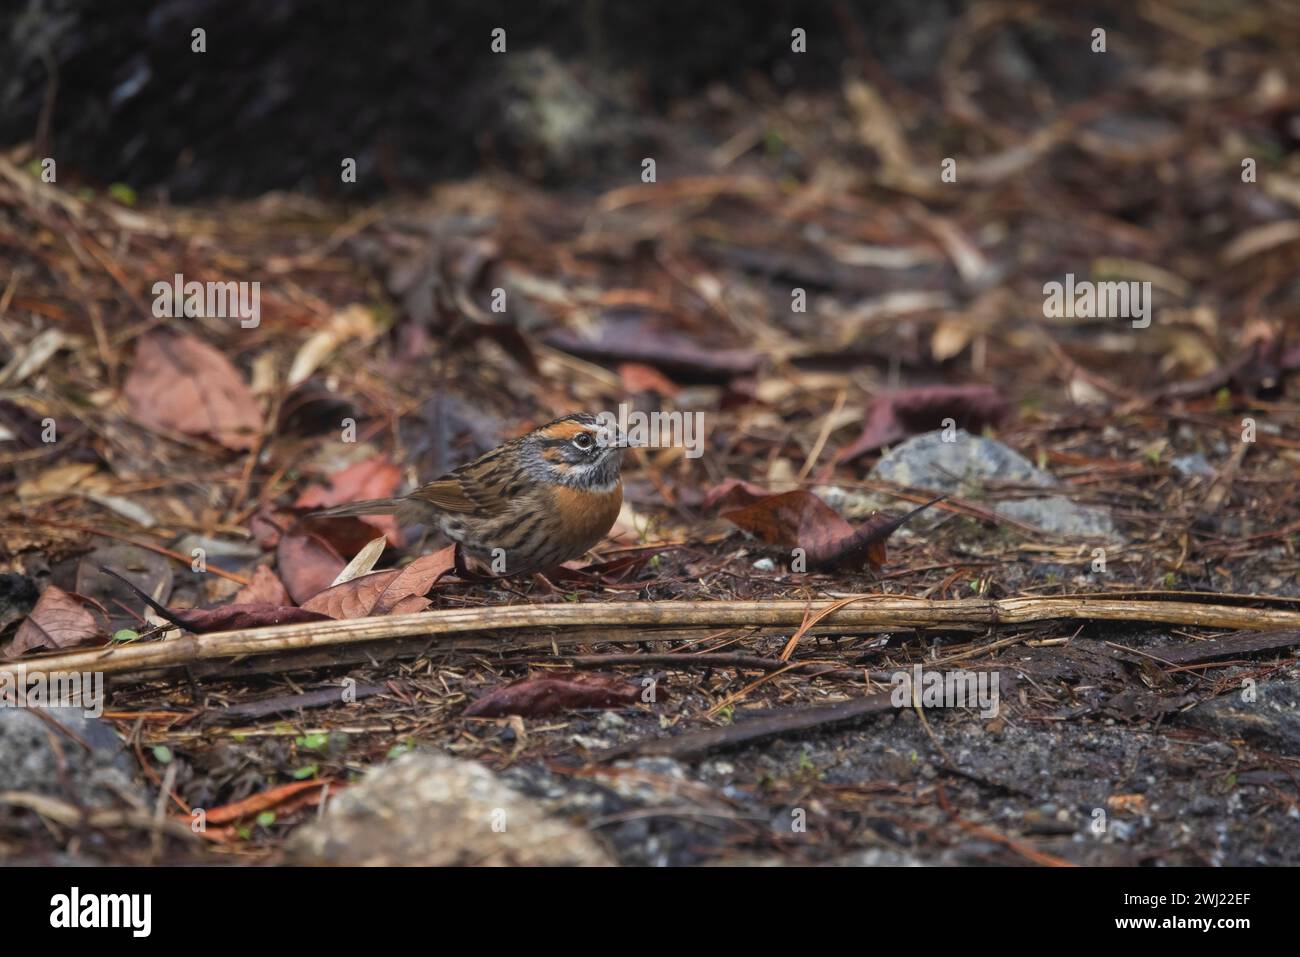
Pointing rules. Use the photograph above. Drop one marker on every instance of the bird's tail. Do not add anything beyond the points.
(371, 506)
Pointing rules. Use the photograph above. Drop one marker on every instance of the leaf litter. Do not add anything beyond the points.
(923, 304)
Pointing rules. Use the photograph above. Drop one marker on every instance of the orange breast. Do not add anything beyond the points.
(588, 516)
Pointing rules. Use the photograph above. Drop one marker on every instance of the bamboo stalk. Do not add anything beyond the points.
(869, 611)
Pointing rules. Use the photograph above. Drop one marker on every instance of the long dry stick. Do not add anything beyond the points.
(872, 611)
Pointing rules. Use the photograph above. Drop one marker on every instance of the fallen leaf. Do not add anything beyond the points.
(554, 692)
(950, 337)
(265, 589)
(307, 564)
(266, 526)
(351, 322)
(639, 377)
(59, 480)
(800, 519)
(375, 477)
(181, 383)
(237, 617)
(733, 493)
(410, 605)
(896, 415)
(58, 621)
(362, 563)
(417, 578)
(223, 617)
(383, 593)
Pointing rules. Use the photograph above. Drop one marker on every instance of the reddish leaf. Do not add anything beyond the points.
(266, 526)
(347, 535)
(183, 384)
(394, 591)
(374, 477)
(352, 599)
(265, 589)
(410, 605)
(638, 377)
(58, 621)
(307, 563)
(733, 493)
(795, 518)
(866, 544)
(235, 617)
(800, 519)
(558, 691)
(223, 617)
(896, 415)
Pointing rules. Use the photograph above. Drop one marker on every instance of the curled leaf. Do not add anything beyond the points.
(223, 617)
(896, 415)
(800, 519)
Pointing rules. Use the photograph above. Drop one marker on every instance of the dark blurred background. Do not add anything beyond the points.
(413, 93)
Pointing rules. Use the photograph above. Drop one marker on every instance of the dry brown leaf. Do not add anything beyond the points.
(307, 564)
(58, 621)
(799, 519)
(183, 384)
(558, 691)
(59, 480)
(386, 592)
(265, 589)
(905, 412)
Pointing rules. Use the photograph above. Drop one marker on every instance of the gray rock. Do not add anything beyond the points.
(969, 465)
(1191, 465)
(1271, 720)
(426, 809)
(36, 756)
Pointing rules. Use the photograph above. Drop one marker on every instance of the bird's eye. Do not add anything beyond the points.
(583, 441)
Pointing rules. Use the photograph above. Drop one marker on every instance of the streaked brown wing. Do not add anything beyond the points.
(447, 494)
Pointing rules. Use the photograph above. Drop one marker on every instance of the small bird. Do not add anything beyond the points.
(531, 504)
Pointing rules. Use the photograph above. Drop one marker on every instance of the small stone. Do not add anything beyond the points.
(1191, 465)
(432, 810)
(1271, 719)
(974, 467)
(29, 760)
(610, 721)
